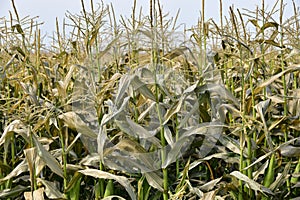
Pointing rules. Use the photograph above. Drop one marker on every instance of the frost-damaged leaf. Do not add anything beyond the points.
(22, 167)
(115, 111)
(252, 184)
(168, 136)
(273, 78)
(271, 152)
(142, 88)
(290, 151)
(261, 108)
(131, 128)
(294, 103)
(191, 88)
(90, 160)
(36, 195)
(13, 192)
(265, 26)
(30, 155)
(123, 86)
(175, 151)
(63, 85)
(130, 154)
(105, 175)
(15, 126)
(261, 170)
(51, 191)
(30, 92)
(50, 161)
(173, 110)
(108, 86)
(194, 109)
(141, 131)
(231, 144)
(154, 180)
(217, 90)
(194, 190)
(211, 131)
(210, 185)
(222, 156)
(146, 112)
(281, 178)
(73, 121)
(209, 195)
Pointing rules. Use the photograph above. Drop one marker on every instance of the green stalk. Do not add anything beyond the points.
(64, 155)
(249, 161)
(294, 180)
(101, 183)
(163, 144)
(240, 196)
(177, 137)
(9, 182)
(74, 193)
(269, 178)
(109, 188)
(155, 61)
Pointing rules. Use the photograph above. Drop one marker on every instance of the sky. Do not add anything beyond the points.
(48, 10)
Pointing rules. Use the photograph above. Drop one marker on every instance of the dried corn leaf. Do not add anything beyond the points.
(281, 178)
(209, 195)
(175, 108)
(142, 88)
(15, 126)
(50, 161)
(290, 151)
(275, 77)
(20, 168)
(105, 175)
(210, 185)
(13, 192)
(73, 121)
(51, 191)
(154, 180)
(35, 195)
(251, 183)
(261, 108)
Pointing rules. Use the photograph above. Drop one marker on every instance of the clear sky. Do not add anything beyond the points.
(48, 10)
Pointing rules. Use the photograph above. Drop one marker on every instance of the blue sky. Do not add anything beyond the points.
(48, 10)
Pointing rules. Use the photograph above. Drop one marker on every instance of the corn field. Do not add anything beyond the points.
(139, 108)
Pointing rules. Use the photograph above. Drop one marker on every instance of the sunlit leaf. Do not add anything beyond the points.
(142, 88)
(50, 161)
(154, 180)
(35, 195)
(20, 168)
(73, 121)
(105, 175)
(252, 184)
